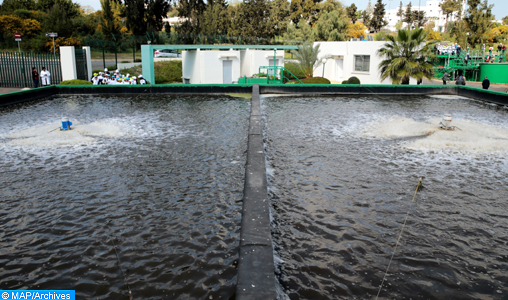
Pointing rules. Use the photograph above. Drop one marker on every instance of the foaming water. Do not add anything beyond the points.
(343, 173)
(159, 178)
(468, 137)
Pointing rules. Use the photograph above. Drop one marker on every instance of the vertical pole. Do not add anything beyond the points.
(19, 48)
(274, 61)
(54, 52)
(133, 49)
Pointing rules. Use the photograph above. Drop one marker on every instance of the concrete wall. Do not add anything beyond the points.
(88, 61)
(205, 67)
(68, 63)
(254, 59)
(343, 54)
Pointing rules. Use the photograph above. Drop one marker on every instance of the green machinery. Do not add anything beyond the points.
(456, 65)
(269, 75)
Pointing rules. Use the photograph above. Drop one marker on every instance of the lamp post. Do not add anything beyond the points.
(324, 62)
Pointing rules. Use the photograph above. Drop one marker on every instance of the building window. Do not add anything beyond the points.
(362, 63)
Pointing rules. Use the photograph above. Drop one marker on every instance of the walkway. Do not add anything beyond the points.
(498, 87)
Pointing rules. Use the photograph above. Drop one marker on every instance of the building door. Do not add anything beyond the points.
(270, 64)
(340, 69)
(227, 71)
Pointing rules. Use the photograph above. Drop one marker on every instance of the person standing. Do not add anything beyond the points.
(445, 77)
(486, 83)
(142, 81)
(35, 77)
(45, 77)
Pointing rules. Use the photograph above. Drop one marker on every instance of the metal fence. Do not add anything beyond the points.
(16, 68)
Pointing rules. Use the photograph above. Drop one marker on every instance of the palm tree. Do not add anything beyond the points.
(307, 57)
(407, 55)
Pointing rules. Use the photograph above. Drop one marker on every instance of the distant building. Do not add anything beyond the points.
(346, 59)
(226, 66)
(432, 11)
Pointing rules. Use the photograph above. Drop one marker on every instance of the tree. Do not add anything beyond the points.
(216, 19)
(307, 57)
(356, 30)
(478, 19)
(366, 19)
(505, 20)
(378, 16)
(406, 56)
(192, 13)
(351, 12)
(251, 20)
(58, 21)
(332, 27)
(155, 11)
(68, 8)
(304, 32)
(367, 15)
(408, 16)
(419, 18)
(279, 16)
(400, 12)
(9, 6)
(448, 7)
(10, 24)
(108, 23)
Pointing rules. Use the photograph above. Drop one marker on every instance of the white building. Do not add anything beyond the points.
(225, 66)
(346, 59)
(432, 11)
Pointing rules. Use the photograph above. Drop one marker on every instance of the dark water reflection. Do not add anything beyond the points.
(167, 195)
(339, 202)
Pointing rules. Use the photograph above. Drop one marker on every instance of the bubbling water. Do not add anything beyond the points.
(470, 137)
(50, 135)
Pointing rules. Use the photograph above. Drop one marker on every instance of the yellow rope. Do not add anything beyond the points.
(400, 235)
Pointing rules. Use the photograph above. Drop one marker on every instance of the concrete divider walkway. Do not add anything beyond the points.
(256, 270)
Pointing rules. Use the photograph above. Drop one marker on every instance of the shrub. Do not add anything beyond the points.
(295, 69)
(353, 80)
(137, 60)
(168, 71)
(315, 80)
(344, 82)
(125, 61)
(75, 82)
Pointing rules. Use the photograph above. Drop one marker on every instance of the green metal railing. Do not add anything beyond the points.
(275, 74)
(16, 68)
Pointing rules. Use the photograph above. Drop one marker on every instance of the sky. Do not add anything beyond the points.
(500, 6)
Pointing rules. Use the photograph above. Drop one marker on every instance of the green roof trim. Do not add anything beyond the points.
(225, 47)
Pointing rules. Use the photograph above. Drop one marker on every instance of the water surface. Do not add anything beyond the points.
(146, 196)
(340, 196)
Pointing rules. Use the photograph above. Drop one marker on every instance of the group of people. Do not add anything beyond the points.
(105, 78)
(491, 57)
(44, 77)
(462, 81)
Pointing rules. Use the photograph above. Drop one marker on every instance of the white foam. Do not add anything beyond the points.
(50, 135)
(99, 128)
(473, 137)
(448, 97)
(398, 127)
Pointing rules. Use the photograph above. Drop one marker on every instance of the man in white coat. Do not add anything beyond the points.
(45, 77)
